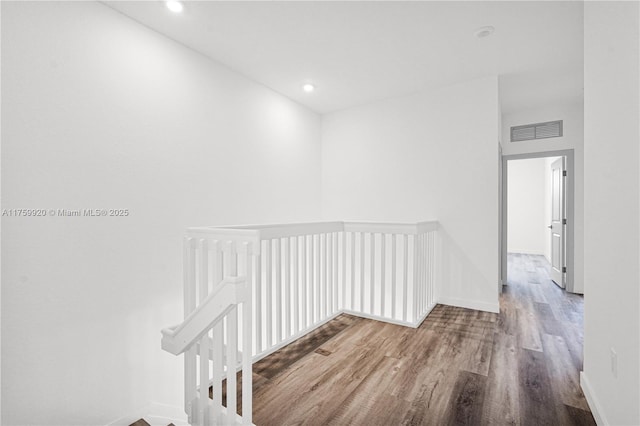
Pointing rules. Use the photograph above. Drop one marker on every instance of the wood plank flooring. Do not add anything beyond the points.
(460, 367)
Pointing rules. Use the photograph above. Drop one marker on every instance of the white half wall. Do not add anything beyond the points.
(612, 211)
(99, 112)
(572, 115)
(527, 228)
(431, 155)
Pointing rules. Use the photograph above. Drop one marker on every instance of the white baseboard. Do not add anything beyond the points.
(424, 316)
(377, 318)
(155, 414)
(594, 405)
(470, 304)
(127, 420)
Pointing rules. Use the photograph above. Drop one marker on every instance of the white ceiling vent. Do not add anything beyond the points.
(550, 129)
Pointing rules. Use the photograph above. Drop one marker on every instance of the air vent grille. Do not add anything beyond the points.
(550, 129)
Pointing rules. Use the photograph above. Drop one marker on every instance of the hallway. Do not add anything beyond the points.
(459, 367)
(544, 325)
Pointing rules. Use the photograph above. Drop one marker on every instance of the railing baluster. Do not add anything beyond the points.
(190, 276)
(303, 268)
(242, 271)
(312, 280)
(372, 277)
(203, 290)
(434, 273)
(393, 275)
(216, 372)
(203, 287)
(429, 268)
(425, 270)
(343, 304)
(311, 276)
(416, 263)
(329, 268)
(317, 313)
(232, 337)
(322, 265)
(216, 375)
(203, 402)
(336, 283)
(278, 265)
(432, 268)
(217, 264)
(405, 275)
(232, 363)
(353, 271)
(287, 288)
(422, 275)
(296, 285)
(334, 273)
(327, 272)
(383, 261)
(257, 302)
(417, 277)
(362, 271)
(189, 263)
(247, 359)
(269, 307)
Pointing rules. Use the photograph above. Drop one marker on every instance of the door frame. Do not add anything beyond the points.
(570, 211)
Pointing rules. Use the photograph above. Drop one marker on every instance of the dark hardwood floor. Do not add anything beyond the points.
(460, 367)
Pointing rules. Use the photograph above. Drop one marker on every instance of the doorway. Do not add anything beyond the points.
(542, 221)
(539, 315)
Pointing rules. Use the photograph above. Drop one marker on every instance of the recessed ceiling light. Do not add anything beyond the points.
(174, 6)
(308, 87)
(483, 32)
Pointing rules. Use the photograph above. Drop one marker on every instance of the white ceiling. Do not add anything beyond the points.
(358, 52)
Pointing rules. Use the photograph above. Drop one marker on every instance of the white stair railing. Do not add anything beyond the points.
(390, 272)
(286, 280)
(310, 273)
(216, 336)
(297, 288)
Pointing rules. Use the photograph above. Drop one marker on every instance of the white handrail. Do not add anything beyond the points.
(211, 311)
(216, 335)
(390, 228)
(270, 231)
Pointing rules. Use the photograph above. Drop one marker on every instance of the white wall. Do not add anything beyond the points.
(431, 155)
(100, 112)
(527, 225)
(573, 138)
(612, 210)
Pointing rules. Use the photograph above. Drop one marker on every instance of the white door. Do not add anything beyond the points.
(557, 221)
